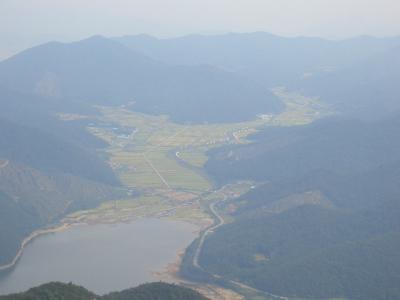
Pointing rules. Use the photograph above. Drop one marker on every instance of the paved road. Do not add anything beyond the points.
(220, 221)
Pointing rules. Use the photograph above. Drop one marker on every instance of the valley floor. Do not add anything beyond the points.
(163, 162)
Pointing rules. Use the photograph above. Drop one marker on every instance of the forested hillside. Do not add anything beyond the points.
(325, 224)
(368, 89)
(48, 168)
(42, 113)
(311, 252)
(338, 145)
(31, 199)
(50, 152)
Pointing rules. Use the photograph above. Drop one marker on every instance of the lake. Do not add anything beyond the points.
(102, 258)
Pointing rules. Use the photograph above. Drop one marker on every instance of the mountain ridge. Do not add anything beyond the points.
(101, 71)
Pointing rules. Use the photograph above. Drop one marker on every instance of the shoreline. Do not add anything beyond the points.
(30, 238)
(168, 273)
(58, 228)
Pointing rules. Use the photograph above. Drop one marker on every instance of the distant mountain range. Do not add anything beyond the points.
(356, 76)
(367, 89)
(151, 291)
(322, 220)
(223, 78)
(104, 72)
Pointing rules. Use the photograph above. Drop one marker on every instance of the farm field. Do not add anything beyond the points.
(151, 156)
(151, 153)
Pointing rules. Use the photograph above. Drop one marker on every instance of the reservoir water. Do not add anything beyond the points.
(102, 258)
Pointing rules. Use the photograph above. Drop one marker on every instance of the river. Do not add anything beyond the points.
(102, 258)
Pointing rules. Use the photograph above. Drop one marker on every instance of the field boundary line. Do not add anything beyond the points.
(156, 171)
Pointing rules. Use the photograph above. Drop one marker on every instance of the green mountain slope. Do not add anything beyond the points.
(326, 222)
(41, 113)
(52, 153)
(311, 252)
(368, 89)
(337, 145)
(48, 168)
(31, 199)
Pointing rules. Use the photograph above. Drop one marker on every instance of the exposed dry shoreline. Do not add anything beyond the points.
(170, 274)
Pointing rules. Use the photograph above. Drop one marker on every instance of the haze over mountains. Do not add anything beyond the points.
(323, 217)
(110, 73)
(270, 59)
(173, 76)
(356, 76)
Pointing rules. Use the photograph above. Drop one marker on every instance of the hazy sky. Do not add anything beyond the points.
(24, 23)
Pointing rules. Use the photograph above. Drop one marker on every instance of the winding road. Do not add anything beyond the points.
(220, 221)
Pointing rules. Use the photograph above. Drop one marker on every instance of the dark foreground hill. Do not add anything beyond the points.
(151, 291)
